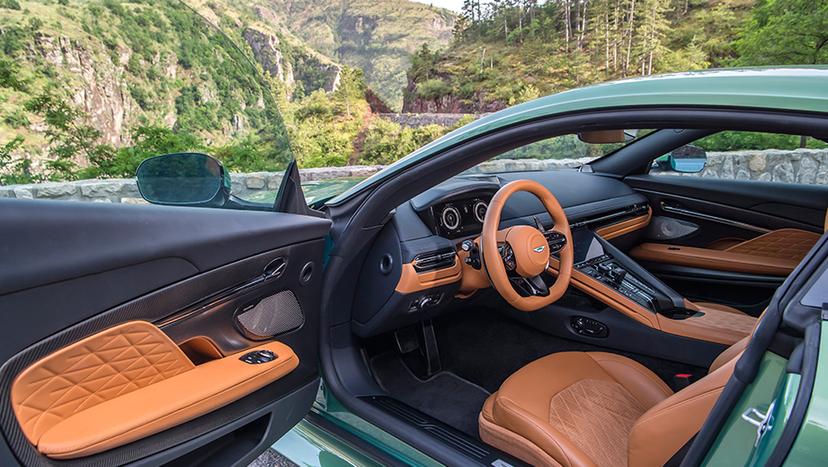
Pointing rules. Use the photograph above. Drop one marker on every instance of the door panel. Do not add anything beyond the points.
(73, 270)
(748, 235)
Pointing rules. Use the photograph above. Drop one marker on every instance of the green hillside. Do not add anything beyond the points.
(377, 37)
(511, 51)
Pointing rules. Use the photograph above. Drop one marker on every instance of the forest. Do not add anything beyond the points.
(509, 51)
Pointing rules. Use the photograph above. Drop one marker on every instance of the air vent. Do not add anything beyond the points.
(440, 259)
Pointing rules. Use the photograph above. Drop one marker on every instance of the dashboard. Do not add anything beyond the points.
(417, 254)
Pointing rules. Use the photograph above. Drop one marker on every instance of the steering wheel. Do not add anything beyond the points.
(516, 257)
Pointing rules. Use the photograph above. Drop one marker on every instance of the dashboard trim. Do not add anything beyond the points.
(624, 227)
(412, 281)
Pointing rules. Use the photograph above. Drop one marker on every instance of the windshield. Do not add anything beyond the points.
(560, 152)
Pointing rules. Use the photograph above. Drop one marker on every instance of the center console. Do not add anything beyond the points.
(599, 260)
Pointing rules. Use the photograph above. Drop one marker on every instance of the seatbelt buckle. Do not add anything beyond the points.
(681, 380)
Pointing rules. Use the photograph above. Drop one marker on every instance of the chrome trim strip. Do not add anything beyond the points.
(698, 215)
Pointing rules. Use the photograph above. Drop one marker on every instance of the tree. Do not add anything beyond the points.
(782, 32)
(70, 138)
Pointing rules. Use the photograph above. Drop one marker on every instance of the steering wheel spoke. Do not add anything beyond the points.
(530, 286)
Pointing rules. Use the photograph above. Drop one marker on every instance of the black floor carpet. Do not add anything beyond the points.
(445, 396)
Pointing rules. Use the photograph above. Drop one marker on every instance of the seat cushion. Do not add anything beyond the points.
(578, 408)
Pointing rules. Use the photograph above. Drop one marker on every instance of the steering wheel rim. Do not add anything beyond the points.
(525, 239)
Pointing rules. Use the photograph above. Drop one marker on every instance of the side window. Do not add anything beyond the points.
(744, 155)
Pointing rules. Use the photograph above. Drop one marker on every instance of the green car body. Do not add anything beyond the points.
(801, 89)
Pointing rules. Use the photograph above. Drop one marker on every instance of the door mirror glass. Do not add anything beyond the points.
(687, 159)
(183, 179)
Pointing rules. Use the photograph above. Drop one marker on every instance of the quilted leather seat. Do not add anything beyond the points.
(598, 409)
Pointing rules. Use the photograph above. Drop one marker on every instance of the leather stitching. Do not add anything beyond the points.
(173, 415)
(597, 415)
(518, 412)
(107, 365)
(649, 375)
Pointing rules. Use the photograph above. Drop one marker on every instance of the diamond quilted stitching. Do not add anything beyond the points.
(115, 362)
(783, 244)
(597, 416)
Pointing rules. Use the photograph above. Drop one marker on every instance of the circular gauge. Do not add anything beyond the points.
(450, 217)
(480, 211)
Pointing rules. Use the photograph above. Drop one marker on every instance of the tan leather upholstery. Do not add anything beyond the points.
(618, 229)
(775, 253)
(713, 259)
(127, 383)
(412, 281)
(665, 428)
(96, 369)
(782, 243)
(594, 408)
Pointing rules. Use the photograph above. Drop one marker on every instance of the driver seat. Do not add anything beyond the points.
(596, 408)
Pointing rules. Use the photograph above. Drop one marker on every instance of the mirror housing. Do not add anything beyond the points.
(183, 179)
(687, 159)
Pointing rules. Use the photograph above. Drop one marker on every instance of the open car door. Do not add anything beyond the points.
(154, 334)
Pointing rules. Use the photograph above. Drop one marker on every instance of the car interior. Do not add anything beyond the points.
(571, 317)
(474, 305)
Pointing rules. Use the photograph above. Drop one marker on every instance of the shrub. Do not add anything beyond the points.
(10, 4)
(433, 88)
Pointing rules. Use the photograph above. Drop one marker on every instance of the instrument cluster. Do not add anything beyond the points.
(460, 218)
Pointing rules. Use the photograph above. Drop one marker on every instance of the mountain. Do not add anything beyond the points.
(125, 62)
(509, 52)
(89, 88)
(377, 37)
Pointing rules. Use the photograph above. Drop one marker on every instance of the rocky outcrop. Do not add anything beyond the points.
(100, 91)
(312, 71)
(449, 103)
(266, 50)
(376, 103)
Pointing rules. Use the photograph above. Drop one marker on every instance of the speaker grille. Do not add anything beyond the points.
(273, 315)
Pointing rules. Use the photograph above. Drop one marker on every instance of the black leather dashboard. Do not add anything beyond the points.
(414, 231)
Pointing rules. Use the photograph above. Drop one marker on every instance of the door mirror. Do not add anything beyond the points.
(183, 179)
(687, 159)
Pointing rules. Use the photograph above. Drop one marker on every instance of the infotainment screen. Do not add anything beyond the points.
(587, 246)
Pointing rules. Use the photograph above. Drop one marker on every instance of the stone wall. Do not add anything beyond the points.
(125, 190)
(415, 120)
(809, 166)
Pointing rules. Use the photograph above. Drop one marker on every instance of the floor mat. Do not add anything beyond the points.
(445, 396)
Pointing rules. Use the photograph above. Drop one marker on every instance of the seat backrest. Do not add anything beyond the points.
(662, 431)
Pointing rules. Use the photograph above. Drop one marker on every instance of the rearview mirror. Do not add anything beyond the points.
(183, 179)
(687, 159)
(603, 136)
